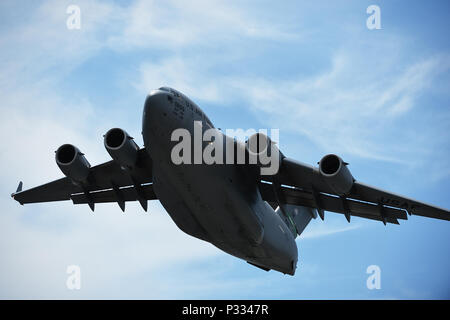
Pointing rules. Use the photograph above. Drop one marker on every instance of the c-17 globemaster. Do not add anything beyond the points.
(251, 216)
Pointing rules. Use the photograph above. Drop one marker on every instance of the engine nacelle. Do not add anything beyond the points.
(263, 152)
(336, 174)
(121, 147)
(72, 163)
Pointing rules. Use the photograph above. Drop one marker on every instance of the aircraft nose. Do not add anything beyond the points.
(156, 102)
(155, 119)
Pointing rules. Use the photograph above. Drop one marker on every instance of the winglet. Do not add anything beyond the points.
(19, 189)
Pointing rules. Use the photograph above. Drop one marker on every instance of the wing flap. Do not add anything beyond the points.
(335, 204)
(128, 193)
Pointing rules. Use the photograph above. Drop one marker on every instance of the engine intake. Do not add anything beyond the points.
(336, 174)
(121, 147)
(72, 163)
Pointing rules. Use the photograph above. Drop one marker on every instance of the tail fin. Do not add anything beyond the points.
(296, 217)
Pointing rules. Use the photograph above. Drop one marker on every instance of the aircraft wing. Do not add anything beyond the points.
(301, 184)
(108, 182)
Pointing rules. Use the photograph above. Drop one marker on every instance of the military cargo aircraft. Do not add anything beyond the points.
(233, 206)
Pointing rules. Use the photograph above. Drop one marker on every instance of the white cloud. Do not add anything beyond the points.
(343, 108)
(178, 73)
(352, 108)
(42, 45)
(349, 115)
(174, 24)
(318, 229)
(39, 241)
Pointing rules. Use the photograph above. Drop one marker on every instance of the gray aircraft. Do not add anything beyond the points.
(251, 216)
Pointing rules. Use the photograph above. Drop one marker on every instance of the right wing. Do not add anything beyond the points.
(301, 184)
(295, 196)
(108, 182)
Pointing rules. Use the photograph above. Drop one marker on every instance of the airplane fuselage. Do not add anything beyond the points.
(217, 203)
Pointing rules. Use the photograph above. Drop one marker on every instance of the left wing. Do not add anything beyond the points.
(107, 182)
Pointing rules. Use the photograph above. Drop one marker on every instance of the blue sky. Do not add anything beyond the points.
(378, 98)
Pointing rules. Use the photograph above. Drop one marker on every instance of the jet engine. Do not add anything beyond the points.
(72, 163)
(121, 147)
(265, 153)
(336, 174)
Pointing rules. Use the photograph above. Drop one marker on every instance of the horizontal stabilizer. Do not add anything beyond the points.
(300, 216)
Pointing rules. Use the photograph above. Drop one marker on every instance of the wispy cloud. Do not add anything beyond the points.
(318, 229)
(352, 108)
(350, 115)
(173, 24)
(359, 102)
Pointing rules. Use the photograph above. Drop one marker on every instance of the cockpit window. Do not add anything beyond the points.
(172, 91)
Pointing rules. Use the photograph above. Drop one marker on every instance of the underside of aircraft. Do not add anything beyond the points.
(252, 216)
